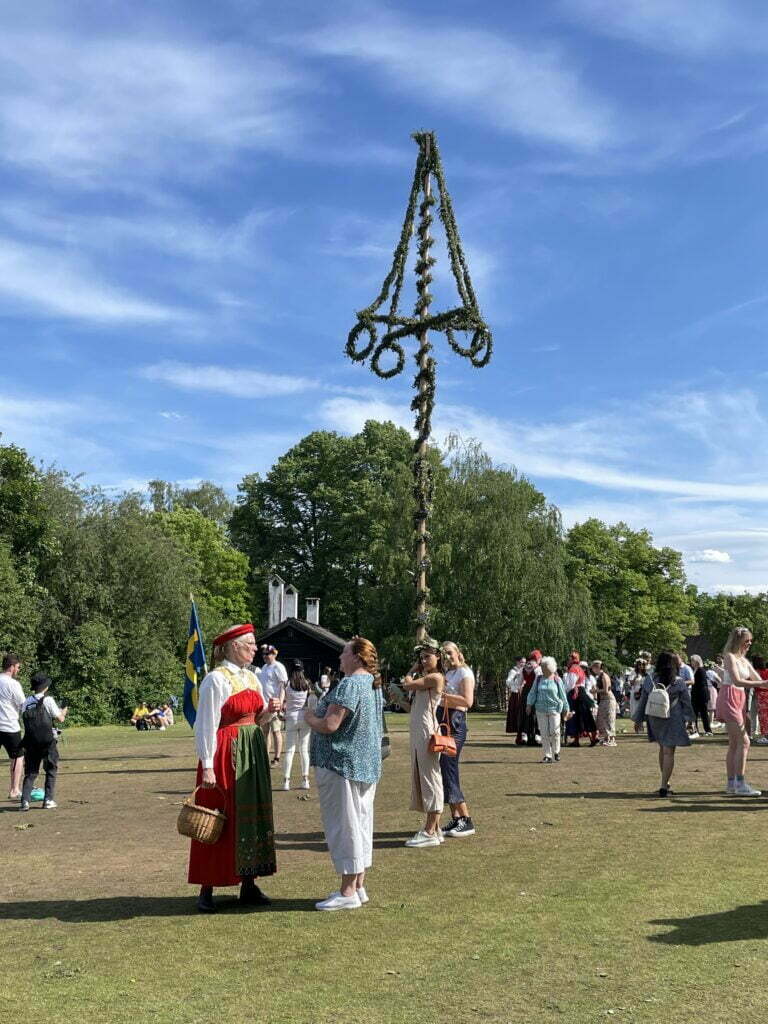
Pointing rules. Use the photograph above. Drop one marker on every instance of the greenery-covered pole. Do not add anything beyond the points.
(465, 317)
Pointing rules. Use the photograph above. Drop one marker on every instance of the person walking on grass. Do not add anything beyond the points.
(11, 703)
(547, 699)
(665, 704)
(458, 698)
(299, 698)
(40, 747)
(738, 677)
(762, 700)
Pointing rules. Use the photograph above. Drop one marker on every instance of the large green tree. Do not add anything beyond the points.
(639, 591)
(718, 614)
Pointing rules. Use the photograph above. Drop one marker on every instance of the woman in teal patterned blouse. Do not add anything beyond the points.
(346, 754)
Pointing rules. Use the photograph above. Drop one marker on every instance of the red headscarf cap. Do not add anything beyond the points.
(535, 656)
(574, 658)
(232, 634)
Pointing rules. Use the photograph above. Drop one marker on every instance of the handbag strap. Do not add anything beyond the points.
(446, 718)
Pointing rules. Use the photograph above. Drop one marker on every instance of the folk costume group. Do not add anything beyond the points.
(233, 773)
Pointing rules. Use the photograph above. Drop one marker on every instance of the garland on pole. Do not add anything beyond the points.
(364, 343)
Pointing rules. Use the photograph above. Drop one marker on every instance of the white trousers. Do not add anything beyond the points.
(347, 811)
(297, 734)
(549, 727)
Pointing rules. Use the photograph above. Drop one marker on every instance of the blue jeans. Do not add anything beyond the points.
(449, 766)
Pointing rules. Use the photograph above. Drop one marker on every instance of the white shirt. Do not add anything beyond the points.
(11, 703)
(515, 680)
(454, 676)
(569, 680)
(325, 681)
(297, 702)
(686, 674)
(273, 680)
(215, 690)
(49, 704)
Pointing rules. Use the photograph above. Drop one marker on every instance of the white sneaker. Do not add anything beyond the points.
(762, 740)
(744, 789)
(286, 784)
(338, 902)
(305, 783)
(730, 789)
(362, 895)
(693, 735)
(49, 805)
(162, 728)
(422, 838)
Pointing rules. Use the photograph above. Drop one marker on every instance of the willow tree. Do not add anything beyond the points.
(387, 354)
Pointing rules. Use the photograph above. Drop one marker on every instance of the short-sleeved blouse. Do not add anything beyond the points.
(354, 750)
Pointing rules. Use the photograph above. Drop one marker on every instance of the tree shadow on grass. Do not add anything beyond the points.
(740, 924)
(703, 806)
(127, 771)
(125, 908)
(125, 757)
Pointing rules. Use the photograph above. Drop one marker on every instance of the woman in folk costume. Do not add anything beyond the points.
(581, 704)
(514, 682)
(233, 761)
(526, 718)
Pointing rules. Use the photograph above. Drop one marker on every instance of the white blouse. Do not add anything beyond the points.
(215, 690)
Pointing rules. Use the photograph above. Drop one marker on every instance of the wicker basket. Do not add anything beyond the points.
(200, 823)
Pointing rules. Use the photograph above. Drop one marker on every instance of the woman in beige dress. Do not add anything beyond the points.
(425, 683)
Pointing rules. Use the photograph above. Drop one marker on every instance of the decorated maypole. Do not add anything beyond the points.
(364, 342)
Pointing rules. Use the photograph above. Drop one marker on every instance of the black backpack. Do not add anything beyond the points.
(38, 724)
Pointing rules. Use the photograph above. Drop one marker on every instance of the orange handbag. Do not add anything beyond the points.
(440, 742)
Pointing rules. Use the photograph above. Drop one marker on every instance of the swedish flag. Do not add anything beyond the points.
(195, 667)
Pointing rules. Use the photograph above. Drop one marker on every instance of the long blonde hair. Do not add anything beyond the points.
(736, 639)
(459, 653)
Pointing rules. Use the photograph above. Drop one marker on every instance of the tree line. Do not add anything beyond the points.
(94, 588)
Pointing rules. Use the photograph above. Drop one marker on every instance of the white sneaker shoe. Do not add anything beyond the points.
(730, 789)
(762, 740)
(286, 784)
(305, 783)
(338, 902)
(744, 789)
(362, 895)
(423, 839)
(49, 805)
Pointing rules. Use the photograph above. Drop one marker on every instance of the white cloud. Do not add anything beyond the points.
(57, 282)
(172, 415)
(520, 89)
(110, 108)
(224, 380)
(698, 28)
(708, 555)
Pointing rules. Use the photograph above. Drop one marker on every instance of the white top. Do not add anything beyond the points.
(215, 690)
(273, 680)
(569, 680)
(11, 703)
(590, 683)
(49, 704)
(742, 665)
(515, 680)
(325, 681)
(454, 676)
(297, 702)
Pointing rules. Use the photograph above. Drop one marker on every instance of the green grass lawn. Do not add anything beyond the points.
(581, 898)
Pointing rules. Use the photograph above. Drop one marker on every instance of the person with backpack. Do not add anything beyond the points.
(665, 704)
(38, 713)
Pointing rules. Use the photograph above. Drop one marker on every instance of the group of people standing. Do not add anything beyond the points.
(345, 725)
(37, 746)
(545, 708)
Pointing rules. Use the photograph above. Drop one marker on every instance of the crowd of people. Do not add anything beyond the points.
(336, 726)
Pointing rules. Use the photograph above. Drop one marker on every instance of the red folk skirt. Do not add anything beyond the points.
(215, 864)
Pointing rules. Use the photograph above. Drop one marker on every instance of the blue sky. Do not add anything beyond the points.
(197, 197)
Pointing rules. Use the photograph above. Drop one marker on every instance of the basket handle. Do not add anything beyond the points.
(198, 788)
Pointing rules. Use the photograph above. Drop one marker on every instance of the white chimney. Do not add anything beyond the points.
(291, 602)
(276, 600)
(313, 610)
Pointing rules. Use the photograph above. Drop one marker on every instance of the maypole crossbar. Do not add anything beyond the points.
(364, 342)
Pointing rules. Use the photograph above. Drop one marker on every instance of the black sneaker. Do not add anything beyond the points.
(450, 826)
(557, 757)
(463, 827)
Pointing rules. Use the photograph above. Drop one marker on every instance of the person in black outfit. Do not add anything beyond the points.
(38, 714)
(700, 695)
